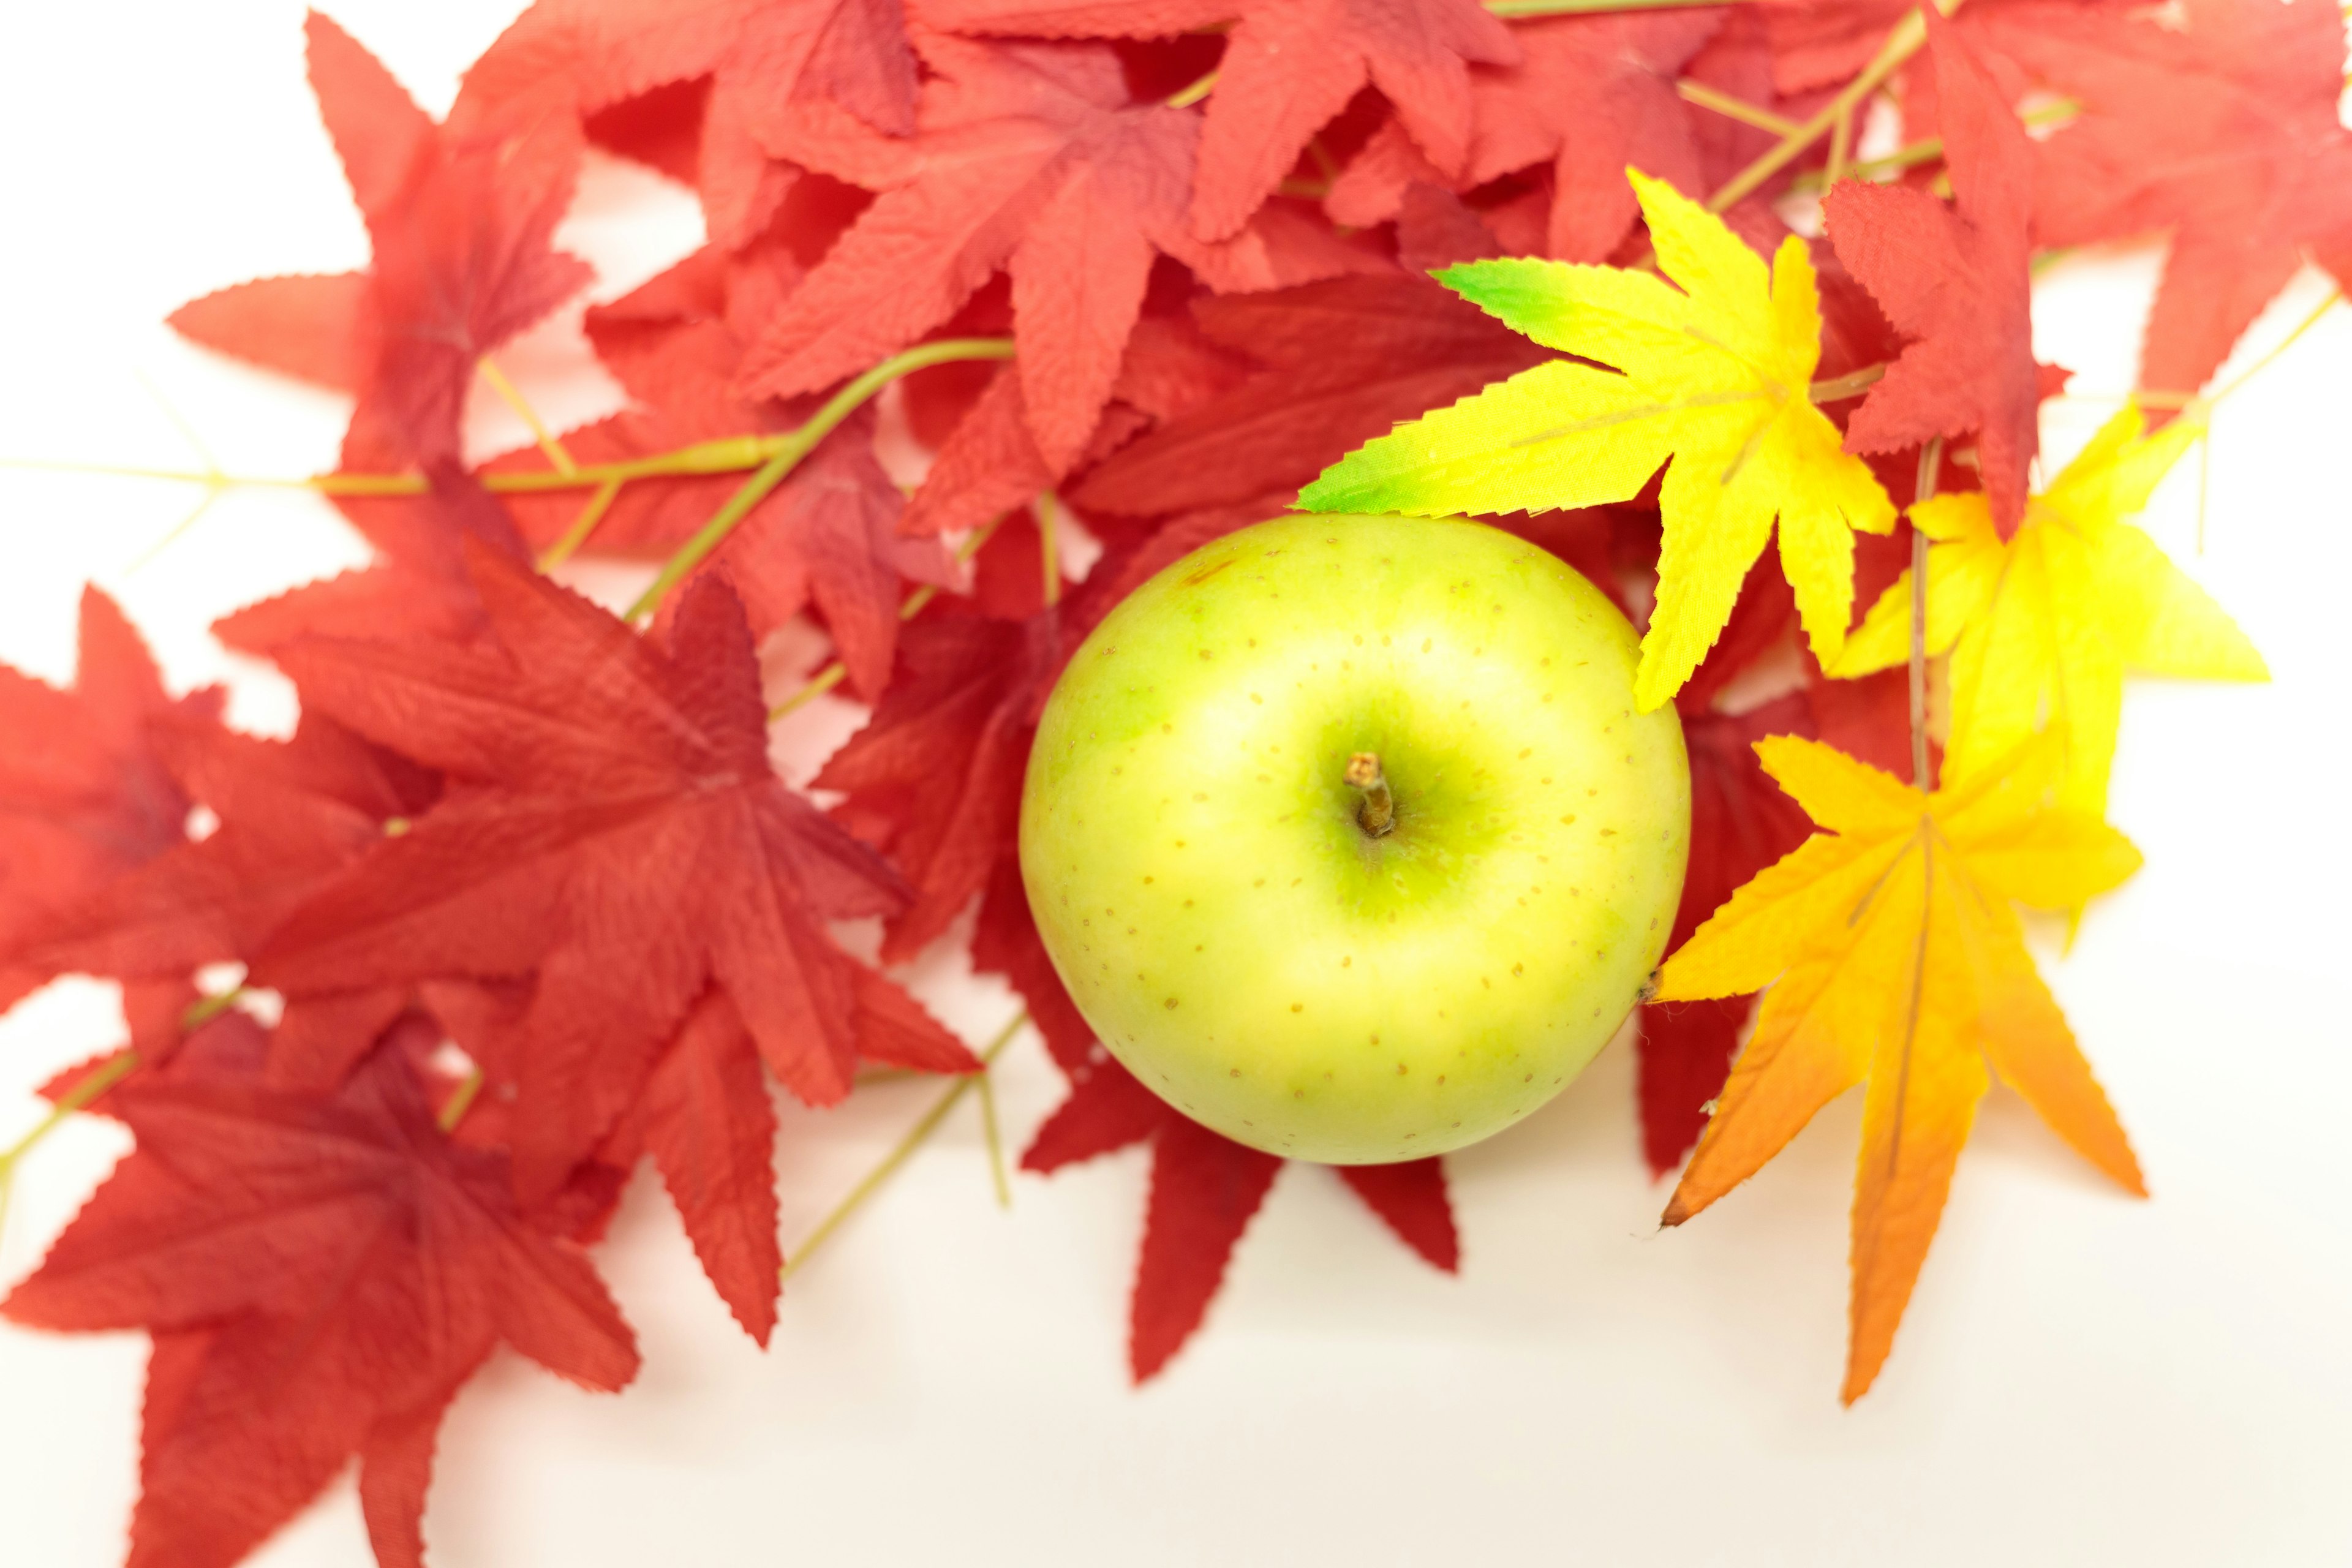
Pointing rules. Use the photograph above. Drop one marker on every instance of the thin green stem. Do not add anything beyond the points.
(511, 395)
(1927, 149)
(1853, 383)
(1732, 107)
(105, 1076)
(113, 1070)
(798, 445)
(913, 1139)
(2333, 298)
(563, 549)
(1048, 562)
(1194, 93)
(461, 1100)
(173, 535)
(1904, 41)
(1840, 144)
(822, 681)
(727, 454)
(993, 1139)
(205, 1009)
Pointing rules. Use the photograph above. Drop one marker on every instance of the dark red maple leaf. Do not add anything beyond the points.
(615, 825)
(321, 1275)
(461, 230)
(2222, 129)
(1204, 1190)
(1345, 358)
(1289, 67)
(705, 1116)
(1592, 95)
(289, 815)
(934, 778)
(1031, 158)
(418, 589)
(763, 58)
(85, 795)
(828, 536)
(1957, 283)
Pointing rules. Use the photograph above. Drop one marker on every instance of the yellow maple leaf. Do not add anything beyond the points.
(2043, 627)
(1894, 958)
(1715, 374)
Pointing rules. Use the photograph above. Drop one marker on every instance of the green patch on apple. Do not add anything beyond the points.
(1347, 838)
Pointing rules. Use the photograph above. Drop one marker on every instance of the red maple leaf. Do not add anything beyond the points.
(989, 463)
(705, 1116)
(85, 795)
(1204, 1190)
(1289, 67)
(1592, 95)
(1821, 43)
(1957, 283)
(614, 825)
(1346, 360)
(2223, 131)
(288, 816)
(321, 1276)
(418, 589)
(761, 56)
(828, 536)
(460, 228)
(1031, 158)
(934, 778)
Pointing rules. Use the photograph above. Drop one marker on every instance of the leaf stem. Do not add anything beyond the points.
(799, 443)
(1193, 94)
(907, 1145)
(993, 1139)
(540, 435)
(2333, 298)
(1927, 149)
(724, 455)
(563, 549)
(1047, 562)
(1931, 461)
(108, 1073)
(1732, 107)
(1904, 41)
(1853, 383)
(461, 1100)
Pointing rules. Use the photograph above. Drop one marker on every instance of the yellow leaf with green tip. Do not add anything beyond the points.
(2043, 627)
(1714, 376)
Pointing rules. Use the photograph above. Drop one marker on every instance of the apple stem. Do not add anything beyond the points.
(1377, 814)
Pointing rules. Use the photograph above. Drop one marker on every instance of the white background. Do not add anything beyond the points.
(2082, 1378)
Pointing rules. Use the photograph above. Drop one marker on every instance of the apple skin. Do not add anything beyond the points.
(1193, 859)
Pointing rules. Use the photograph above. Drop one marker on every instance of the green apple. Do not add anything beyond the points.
(1346, 837)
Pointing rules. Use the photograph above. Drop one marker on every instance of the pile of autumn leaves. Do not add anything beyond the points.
(535, 903)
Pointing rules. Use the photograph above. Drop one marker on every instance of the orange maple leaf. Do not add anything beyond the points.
(1894, 954)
